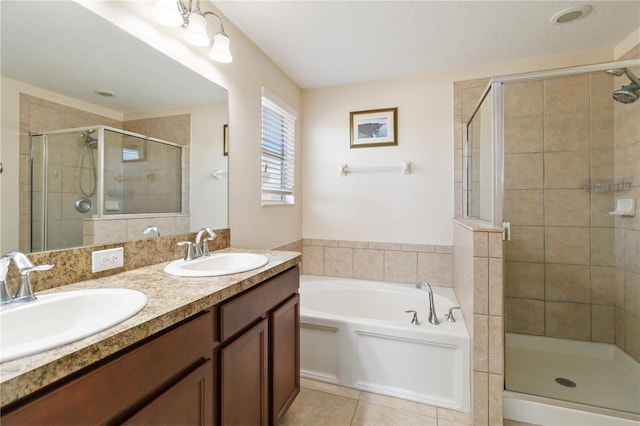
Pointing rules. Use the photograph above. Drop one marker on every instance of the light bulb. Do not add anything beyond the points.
(196, 31)
(166, 12)
(220, 51)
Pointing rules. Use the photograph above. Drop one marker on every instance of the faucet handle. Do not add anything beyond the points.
(5, 292)
(414, 320)
(449, 317)
(190, 248)
(205, 245)
(25, 291)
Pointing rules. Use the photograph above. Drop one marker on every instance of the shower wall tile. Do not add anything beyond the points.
(566, 207)
(568, 245)
(601, 129)
(523, 99)
(566, 94)
(632, 294)
(523, 171)
(632, 161)
(470, 98)
(566, 132)
(523, 134)
(632, 251)
(567, 283)
(602, 246)
(602, 165)
(496, 386)
(525, 316)
(600, 95)
(524, 207)
(525, 280)
(564, 170)
(601, 204)
(632, 336)
(603, 285)
(495, 244)
(602, 324)
(568, 320)
(620, 327)
(481, 244)
(526, 245)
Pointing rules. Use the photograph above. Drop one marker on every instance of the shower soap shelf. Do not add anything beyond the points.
(624, 207)
(607, 187)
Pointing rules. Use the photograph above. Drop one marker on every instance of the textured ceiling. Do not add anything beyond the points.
(329, 43)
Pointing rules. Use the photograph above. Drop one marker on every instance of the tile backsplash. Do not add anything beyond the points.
(376, 261)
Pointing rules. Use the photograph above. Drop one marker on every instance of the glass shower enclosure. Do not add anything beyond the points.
(92, 172)
(554, 157)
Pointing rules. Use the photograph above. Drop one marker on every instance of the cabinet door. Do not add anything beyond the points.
(285, 357)
(244, 398)
(188, 402)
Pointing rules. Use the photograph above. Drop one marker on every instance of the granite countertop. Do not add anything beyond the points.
(171, 299)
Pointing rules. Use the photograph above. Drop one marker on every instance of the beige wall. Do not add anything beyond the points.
(626, 276)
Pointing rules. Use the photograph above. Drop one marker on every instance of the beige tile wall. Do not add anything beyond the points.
(112, 230)
(402, 263)
(559, 135)
(623, 278)
(478, 283)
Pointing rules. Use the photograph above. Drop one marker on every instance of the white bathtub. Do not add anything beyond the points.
(356, 333)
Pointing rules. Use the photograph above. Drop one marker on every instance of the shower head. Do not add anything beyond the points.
(89, 140)
(626, 94)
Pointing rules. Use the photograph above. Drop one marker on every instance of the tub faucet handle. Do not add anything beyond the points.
(414, 320)
(449, 317)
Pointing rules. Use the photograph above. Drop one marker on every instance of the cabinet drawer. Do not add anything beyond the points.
(241, 311)
(104, 393)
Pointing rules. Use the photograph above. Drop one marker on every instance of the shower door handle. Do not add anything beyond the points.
(506, 231)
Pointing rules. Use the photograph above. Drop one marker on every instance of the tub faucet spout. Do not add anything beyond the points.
(433, 317)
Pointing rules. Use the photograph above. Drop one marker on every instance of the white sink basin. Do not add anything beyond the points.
(60, 318)
(217, 264)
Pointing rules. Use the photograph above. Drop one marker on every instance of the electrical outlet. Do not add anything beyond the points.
(103, 260)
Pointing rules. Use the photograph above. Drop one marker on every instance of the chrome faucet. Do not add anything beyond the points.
(25, 267)
(151, 230)
(433, 317)
(199, 250)
(200, 247)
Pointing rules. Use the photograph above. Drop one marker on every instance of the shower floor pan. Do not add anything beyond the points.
(603, 375)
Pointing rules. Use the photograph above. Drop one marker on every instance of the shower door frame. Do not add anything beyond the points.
(100, 172)
(495, 89)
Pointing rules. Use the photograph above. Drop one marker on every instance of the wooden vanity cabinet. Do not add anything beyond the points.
(238, 363)
(260, 352)
(169, 377)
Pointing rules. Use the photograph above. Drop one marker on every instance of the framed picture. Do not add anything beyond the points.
(225, 140)
(378, 127)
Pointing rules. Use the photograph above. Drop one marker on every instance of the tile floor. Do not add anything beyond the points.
(322, 404)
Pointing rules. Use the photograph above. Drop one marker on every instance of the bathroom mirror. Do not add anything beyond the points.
(73, 69)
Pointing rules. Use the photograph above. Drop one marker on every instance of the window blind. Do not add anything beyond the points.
(278, 153)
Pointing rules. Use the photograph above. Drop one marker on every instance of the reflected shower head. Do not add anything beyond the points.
(89, 140)
(629, 93)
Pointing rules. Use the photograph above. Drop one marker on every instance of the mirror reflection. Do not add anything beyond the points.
(97, 133)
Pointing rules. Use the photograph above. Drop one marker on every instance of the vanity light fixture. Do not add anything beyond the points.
(174, 13)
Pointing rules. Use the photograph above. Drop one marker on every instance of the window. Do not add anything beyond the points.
(278, 149)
